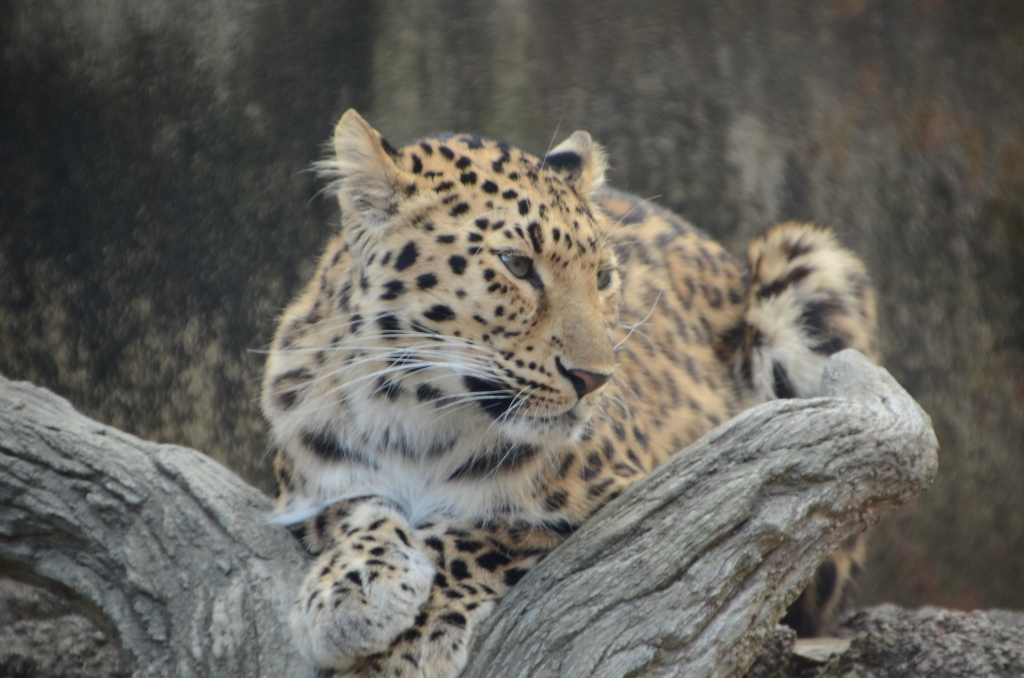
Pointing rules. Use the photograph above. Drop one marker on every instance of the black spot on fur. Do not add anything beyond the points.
(524, 206)
(426, 281)
(460, 208)
(506, 457)
(417, 164)
(463, 162)
(467, 178)
(592, 468)
(833, 345)
(407, 257)
(730, 340)
(454, 619)
(513, 575)
(713, 295)
(597, 489)
(457, 263)
(446, 152)
(817, 315)
(468, 545)
(388, 388)
(388, 323)
(779, 286)
(459, 569)
(394, 289)
(536, 237)
(555, 500)
(439, 313)
(489, 186)
(388, 148)
(780, 382)
(434, 543)
(492, 561)
(510, 195)
(797, 248)
(561, 527)
(446, 239)
(327, 447)
(286, 395)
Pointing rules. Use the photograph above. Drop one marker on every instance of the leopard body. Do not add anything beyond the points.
(493, 347)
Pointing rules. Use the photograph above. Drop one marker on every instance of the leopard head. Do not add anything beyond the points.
(468, 301)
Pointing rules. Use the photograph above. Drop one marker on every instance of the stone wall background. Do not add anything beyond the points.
(156, 210)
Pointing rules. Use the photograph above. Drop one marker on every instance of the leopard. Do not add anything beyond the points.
(493, 346)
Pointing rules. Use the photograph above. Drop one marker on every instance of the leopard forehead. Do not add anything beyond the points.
(466, 200)
(476, 186)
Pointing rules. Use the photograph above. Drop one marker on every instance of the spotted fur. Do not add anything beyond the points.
(493, 347)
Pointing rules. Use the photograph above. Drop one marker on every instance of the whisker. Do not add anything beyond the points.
(640, 322)
(638, 205)
(551, 144)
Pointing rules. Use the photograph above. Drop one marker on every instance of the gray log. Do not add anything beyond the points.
(171, 546)
(694, 566)
(687, 572)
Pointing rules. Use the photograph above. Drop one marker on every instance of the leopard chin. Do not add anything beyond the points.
(551, 431)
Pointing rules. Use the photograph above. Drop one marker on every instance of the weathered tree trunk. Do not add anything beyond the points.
(171, 546)
(686, 573)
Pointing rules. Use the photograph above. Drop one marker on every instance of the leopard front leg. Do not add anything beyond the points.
(474, 570)
(366, 587)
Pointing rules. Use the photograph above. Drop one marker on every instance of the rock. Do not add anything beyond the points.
(887, 640)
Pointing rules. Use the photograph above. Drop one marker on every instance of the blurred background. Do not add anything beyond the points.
(157, 212)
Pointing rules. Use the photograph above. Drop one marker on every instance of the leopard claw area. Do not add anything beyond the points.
(349, 608)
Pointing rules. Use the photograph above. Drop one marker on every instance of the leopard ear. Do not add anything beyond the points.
(581, 162)
(363, 171)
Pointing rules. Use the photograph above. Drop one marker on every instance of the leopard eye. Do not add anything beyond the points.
(604, 278)
(520, 266)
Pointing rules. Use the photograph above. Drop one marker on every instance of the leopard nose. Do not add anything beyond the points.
(586, 382)
(582, 380)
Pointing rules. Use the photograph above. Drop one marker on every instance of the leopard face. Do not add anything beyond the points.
(461, 321)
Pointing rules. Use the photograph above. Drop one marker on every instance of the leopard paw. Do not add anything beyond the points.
(359, 596)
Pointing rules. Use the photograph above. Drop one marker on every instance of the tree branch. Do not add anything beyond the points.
(694, 566)
(688, 571)
(171, 547)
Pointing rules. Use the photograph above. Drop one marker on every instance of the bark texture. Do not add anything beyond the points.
(688, 571)
(167, 546)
